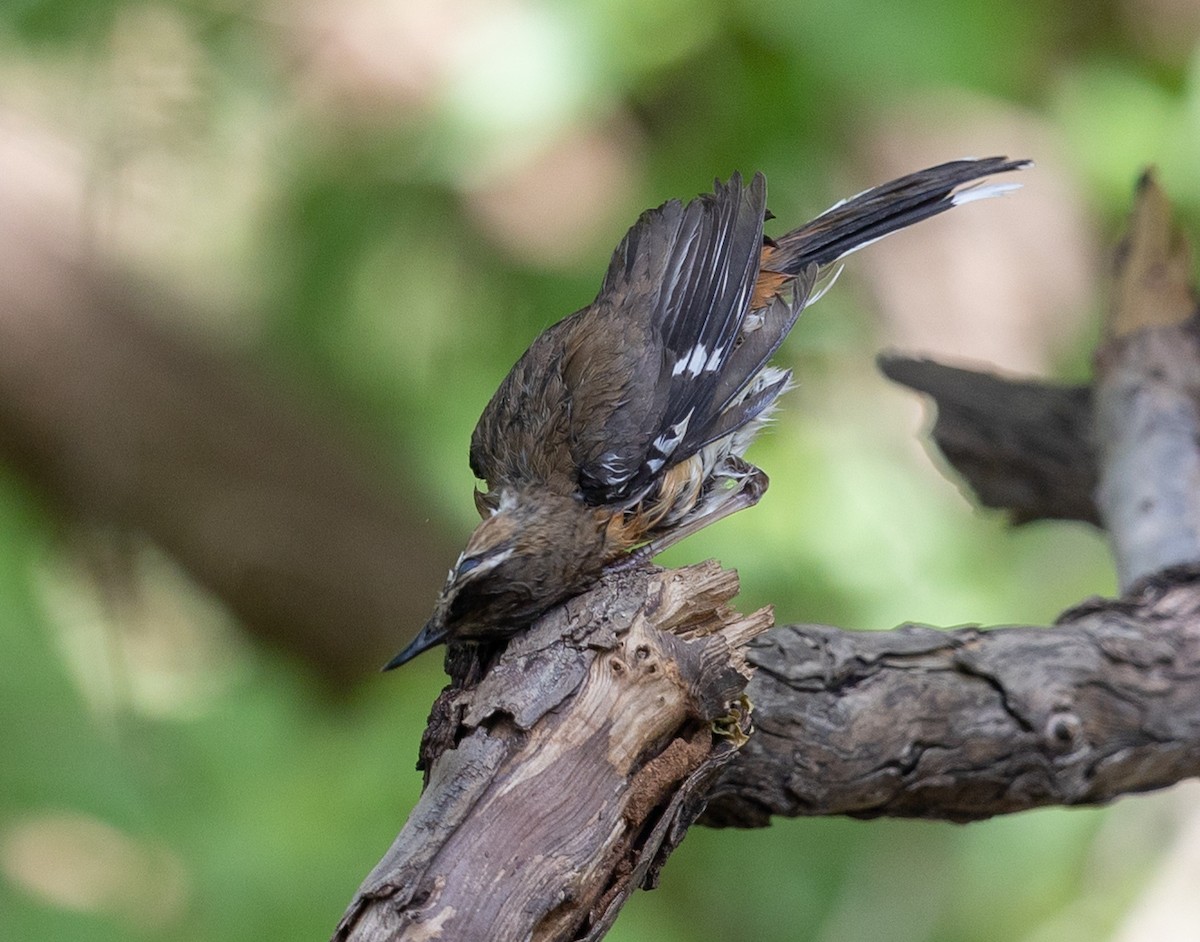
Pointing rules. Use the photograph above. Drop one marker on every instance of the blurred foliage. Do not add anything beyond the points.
(348, 184)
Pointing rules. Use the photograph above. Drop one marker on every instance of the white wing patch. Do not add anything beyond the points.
(715, 360)
(692, 362)
(699, 360)
(669, 440)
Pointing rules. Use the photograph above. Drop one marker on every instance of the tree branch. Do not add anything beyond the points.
(1034, 449)
(965, 724)
(1148, 397)
(956, 725)
(1022, 446)
(574, 766)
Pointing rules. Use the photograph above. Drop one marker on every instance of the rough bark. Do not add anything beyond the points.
(572, 768)
(965, 724)
(1148, 397)
(954, 725)
(561, 778)
(1033, 449)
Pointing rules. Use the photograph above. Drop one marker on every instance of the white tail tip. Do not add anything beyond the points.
(982, 192)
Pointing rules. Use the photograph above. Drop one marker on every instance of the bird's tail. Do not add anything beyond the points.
(849, 225)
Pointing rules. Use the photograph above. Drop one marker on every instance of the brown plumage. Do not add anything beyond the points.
(622, 428)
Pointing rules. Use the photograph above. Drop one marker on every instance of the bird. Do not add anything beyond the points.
(623, 428)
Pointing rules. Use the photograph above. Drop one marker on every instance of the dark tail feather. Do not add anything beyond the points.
(884, 209)
(428, 637)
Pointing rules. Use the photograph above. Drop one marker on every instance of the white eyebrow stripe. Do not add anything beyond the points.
(487, 561)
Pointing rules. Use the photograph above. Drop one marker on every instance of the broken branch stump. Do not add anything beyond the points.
(570, 771)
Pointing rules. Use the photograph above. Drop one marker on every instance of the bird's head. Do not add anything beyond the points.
(534, 549)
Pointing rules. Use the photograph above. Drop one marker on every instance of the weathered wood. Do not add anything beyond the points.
(575, 766)
(965, 724)
(1033, 448)
(1023, 446)
(955, 725)
(1152, 267)
(1148, 397)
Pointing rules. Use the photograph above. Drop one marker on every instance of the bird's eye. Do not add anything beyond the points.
(468, 564)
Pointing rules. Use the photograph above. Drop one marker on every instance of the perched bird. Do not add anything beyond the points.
(621, 429)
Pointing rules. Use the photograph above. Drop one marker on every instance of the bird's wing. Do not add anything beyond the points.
(523, 435)
(669, 314)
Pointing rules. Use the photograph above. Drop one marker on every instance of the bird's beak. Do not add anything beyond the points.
(433, 634)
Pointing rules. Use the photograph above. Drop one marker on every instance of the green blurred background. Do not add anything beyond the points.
(377, 204)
